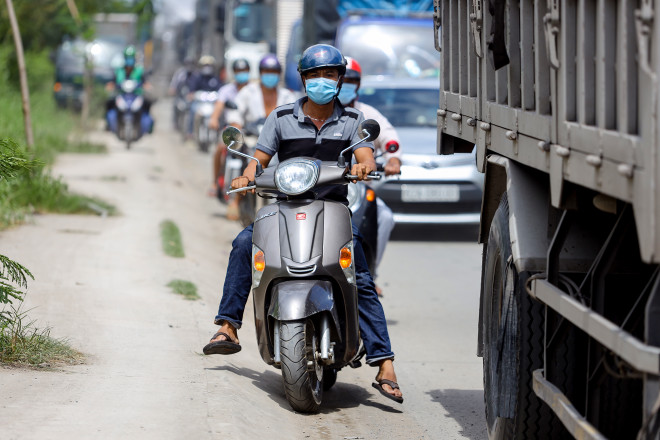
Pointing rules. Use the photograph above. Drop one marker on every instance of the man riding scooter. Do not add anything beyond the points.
(388, 137)
(129, 71)
(314, 126)
(228, 92)
(205, 80)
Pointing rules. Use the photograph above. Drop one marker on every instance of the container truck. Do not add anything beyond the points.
(561, 99)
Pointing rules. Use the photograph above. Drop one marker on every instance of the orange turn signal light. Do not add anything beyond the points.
(371, 195)
(57, 87)
(345, 258)
(259, 261)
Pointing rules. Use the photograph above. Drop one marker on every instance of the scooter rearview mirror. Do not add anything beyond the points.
(230, 104)
(232, 135)
(368, 130)
(392, 147)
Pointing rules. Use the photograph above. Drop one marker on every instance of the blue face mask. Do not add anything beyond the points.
(321, 90)
(347, 93)
(242, 77)
(270, 80)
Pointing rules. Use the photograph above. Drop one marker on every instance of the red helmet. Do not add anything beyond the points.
(353, 69)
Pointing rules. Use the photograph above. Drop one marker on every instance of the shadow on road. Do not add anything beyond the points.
(466, 407)
(435, 233)
(340, 396)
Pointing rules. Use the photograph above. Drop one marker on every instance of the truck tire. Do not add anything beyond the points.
(302, 372)
(513, 344)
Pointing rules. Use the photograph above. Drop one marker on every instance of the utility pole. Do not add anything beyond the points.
(25, 91)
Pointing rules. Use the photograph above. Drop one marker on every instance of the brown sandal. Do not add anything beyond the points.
(379, 386)
(221, 347)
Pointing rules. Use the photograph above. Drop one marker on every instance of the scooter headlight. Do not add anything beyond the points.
(258, 265)
(355, 197)
(296, 176)
(346, 262)
(137, 104)
(120, 102)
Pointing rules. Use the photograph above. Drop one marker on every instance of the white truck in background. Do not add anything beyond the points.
(561, 99)
(247, 29)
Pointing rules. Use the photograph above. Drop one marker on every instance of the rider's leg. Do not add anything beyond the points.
(385, 226)
(373, 326)
(238, 281)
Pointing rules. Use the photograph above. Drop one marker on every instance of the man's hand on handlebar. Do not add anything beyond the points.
(393, 166)
(361, 170)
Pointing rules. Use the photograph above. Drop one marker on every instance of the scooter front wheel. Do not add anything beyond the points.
(302, 370)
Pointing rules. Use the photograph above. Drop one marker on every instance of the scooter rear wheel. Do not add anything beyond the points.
(302, 370)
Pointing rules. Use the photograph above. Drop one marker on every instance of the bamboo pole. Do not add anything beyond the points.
(25, 91)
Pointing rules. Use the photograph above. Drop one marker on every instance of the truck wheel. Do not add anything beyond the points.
(302, 370)
(513, 344)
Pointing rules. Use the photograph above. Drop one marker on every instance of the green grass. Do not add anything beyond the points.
(171, 239)
(23, 344)
(185, 288)
(35, 190)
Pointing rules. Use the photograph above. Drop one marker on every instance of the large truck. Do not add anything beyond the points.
(562, 100)
(231, 29)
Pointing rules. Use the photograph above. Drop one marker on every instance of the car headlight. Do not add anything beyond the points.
(296, 176)
(258, 266)
(120, 102)
(137, 104)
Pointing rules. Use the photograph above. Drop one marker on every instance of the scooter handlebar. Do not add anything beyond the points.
(370, 176)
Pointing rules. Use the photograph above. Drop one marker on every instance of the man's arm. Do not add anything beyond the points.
(251, 170)
(365, 163)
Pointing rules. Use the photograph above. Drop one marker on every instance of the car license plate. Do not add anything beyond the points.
(430, 193)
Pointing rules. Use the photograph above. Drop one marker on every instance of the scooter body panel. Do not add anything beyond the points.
(301, 241)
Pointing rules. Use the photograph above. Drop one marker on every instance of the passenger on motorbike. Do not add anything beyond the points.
(206, 80)
(388, 136)
(228, 92)
(319, 126)
(255, 102)
(130, 70)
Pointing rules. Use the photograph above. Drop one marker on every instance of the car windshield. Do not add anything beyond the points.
(399, 50)
(253, 22)
(403, 107)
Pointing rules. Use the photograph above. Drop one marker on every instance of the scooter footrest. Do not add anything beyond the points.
(355, 364)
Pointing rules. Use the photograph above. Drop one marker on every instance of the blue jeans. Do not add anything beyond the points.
(238, 282)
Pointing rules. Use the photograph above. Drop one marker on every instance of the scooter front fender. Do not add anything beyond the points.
(299, 299)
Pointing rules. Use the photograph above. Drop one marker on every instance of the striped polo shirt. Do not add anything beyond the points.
(290, 133)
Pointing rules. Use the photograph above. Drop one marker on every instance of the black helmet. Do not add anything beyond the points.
(240, 64)
(270, 62)
(321, 55)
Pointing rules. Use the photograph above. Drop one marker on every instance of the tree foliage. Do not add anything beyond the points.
(44, 23)
(13, 275)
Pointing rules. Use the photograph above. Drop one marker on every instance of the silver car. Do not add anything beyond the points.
(431, 189)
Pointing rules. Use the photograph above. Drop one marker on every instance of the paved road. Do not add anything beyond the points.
(101, 283)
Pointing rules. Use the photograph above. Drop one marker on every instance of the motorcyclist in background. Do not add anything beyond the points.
(348, 96)
(228, 92)
(182, 76)
(255, 102)
(206, 80)
(130, 70)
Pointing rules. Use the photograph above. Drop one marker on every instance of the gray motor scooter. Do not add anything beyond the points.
(303, 273)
